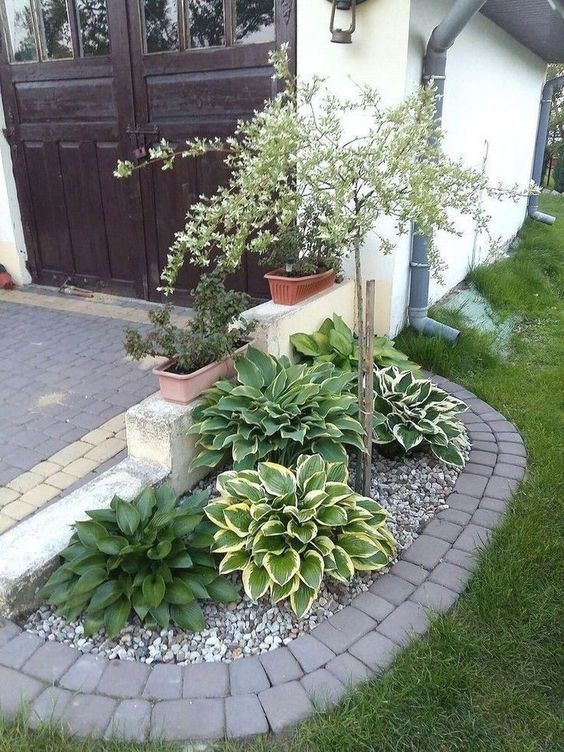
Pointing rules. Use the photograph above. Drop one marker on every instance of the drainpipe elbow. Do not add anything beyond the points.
(419, 321)
(539, 216)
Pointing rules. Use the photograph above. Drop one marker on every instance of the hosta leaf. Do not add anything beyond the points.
(127, 516)
(269, 544)
(448, 454)
(166, 498)
(407, 437)
(196, 586)
(185, 524)
(115, 616)
(93, 623)
(282, 567)
(331, 516)
(302, 599)
(357, 545)
(238, 518)
(215, 511)
(223, 591)
(324, 544)
(140, 605)
(90, 532)
(280, 592)
(226, 541)
(330, 450)
(189, 617)
(277, 480)
(343, 563)
(248, 373)
(342, 343)
(304, 532)
(309, 466)
(104, 516)
(233, 562)
(154, 589)
(206, 458)
(311, 569)
(89, 581)
(305, 344)
(256, 581)
(105, 594)
(264, 362)
(112, 544)
(272, 527)
(160, 551)
(370, 563)
(337, 472)
(181, 560)
(161, 614)
(178, 592)
(145, 503)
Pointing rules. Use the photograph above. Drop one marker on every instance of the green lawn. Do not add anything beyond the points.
(489, 677)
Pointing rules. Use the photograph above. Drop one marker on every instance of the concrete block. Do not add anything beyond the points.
(247, 676)
(183, 720)
(404, 622)
(131, 721)
(123, 679)
(156, 432)
(16, 691)
(375, 650)
(49, 706)
(285, 705)
(206, 680)
(310, 652)
(88, 715)
(50, 661)
(374, 605)
(275, 323)
(281, 666)
(410, 572)
(391, 588)
(323, 688)
(244, 717)
(29, 551)
(84, 675)
(164, 683)
(349, 670)
(435, 596)
(426, 551)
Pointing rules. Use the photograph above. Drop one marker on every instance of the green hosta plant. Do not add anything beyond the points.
(276, 411)
(334, 342)
(410, 412)
(285, 530)
(150, 556)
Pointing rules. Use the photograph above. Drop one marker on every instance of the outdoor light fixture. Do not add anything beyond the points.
(343, 36)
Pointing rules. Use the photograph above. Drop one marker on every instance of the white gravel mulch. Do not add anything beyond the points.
(413, 489)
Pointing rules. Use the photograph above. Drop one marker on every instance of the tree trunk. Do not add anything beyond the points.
(360, 332)
(368, 360)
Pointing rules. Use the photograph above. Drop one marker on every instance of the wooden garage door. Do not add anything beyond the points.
(87, 81)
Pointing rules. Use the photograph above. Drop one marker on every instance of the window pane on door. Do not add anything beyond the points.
(206, 23)
(20, 28)
(254, 21)
(56, 30)
(93, 25)
(161, 25)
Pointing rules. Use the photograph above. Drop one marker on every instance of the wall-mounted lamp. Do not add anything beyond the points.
(343, 36)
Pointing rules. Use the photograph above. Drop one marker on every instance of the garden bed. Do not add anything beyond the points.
(413, 489)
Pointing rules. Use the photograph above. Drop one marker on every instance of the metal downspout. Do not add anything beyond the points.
(540, 146)
(434, 67)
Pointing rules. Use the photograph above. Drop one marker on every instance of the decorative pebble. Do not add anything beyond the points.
(413, 489)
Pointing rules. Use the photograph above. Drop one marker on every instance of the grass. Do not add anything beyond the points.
(489, 677)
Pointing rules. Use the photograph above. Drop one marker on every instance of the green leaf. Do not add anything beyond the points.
(238, 518)
(161, 614)
(145, 503)
(112, 544)
(305, 344)
(248, 373)
(226, 541)
(115, 616)
(276, 479)
(127, 516)
(93, 622)
(255, 581)
(282, 567)
(332, 516)
(189, 617)
(264, 362)
(89, 581)
(90, 533)
(279, 592)
(357, 545)
(181, 560)
(105, 594)
(343, 344)
(160, 551)
(206, 458)
(302, 599)
(330, 450)
(233, 562)
(166, 498)
(448, 454)
(222, 591)
(154, 589)
(308, 467)
(185, 524)
(178, 592)
(343, 563)
(311, 569)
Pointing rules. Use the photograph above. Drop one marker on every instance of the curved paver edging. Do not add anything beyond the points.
(273, 691)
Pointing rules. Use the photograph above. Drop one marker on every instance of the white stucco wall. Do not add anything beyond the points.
(13, 253)
(492, 93)
(378, 56)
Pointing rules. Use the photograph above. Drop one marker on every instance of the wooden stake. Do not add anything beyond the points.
(368, 401)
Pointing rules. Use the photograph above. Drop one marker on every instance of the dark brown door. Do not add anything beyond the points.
(198, 66)
(86, 81)
(68, 101)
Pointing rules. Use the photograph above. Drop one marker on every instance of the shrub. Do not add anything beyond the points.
(149, 555)
(286, 530)
(276, 411)
(410, 412)
(212, 334)
(334, 342)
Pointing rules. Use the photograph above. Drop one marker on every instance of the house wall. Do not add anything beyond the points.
(13, 253)
(491, 105)
(492, 95)
(378, 56)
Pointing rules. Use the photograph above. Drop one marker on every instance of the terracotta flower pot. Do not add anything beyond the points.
(183, 388)
(291, 290)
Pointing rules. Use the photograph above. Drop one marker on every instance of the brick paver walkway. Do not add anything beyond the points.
(90, 695)
(64, 385)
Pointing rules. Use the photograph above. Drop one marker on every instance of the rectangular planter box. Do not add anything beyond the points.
(291, 290)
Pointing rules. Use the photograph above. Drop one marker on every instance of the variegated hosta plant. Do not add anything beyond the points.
(285, 530)
(276, 411)
(411, 412)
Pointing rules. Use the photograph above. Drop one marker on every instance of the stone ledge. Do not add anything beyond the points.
(366, 636)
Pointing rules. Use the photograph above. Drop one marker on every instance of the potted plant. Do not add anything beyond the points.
(304, 262)
(201, 352)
